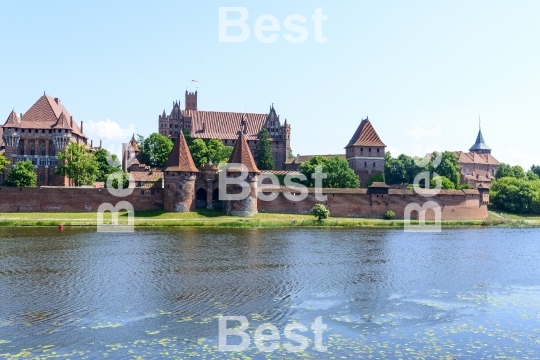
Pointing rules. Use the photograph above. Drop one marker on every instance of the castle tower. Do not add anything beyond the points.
(365, 152)
(242, 155)
(191, 100)
(480, 147)
(130, 154)
(179, 176)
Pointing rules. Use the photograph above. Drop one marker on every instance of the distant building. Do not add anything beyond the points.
(225, 126)
(478, 166)
(365, 152)
(38, 135)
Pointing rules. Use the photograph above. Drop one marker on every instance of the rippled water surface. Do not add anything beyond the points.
(158, 294)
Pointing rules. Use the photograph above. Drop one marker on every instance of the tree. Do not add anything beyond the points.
(375, 178)
(446, 183)
(339, 174)
(78, 164)
(536, 169)
(104, 168)
(3, 162)
(125, 180)
(21, 175)
(199, 152)
(506, 170)
(464, 187)
(263, 152)
(448, 167)
(516, 195)
(337, 170)
(389, 215)
(155, 149)
(217, 152)
(320, 212)
(531, 175)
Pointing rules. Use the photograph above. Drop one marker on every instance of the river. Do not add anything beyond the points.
(160, 293)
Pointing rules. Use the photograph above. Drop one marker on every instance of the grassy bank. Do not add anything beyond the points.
(214, 219)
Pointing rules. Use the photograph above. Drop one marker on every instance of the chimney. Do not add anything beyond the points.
(100, 144)
(81, 126)
(57, 100)
(91, 143)
(21, 117)
(204, 127)
(71, 122)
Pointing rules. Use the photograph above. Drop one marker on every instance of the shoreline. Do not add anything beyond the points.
(214, 219)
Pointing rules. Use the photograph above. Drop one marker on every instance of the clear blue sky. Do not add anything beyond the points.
(433, 65)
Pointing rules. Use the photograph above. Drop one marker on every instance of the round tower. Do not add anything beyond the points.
(179, 175)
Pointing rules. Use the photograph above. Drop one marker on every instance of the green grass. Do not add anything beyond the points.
(215, 219)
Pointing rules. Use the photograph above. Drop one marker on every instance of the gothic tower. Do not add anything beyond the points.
(179, 176)
(365, 152)
(191, 100)
(242, 155)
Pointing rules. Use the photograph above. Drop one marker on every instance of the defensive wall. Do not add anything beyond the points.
(454, 204)
(77, 199)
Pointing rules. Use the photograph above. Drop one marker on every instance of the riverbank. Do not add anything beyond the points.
(214, 219)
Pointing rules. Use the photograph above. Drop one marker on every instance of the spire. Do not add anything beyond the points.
(241, 154)
(180, 157)
(365, 135)
(480, 145)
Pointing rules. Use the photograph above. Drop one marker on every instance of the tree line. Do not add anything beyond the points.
(516, 190)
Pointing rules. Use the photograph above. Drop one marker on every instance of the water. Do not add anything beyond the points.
(158, 294)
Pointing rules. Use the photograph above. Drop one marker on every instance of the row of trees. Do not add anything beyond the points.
(515, 190)
(404, 169)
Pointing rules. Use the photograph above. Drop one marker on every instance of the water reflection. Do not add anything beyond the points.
(380, 292)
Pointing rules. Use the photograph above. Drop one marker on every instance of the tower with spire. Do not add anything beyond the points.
(480, 146)
(179, 174)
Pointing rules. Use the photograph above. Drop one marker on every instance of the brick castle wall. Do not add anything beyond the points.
(73, 199)
(454, 207)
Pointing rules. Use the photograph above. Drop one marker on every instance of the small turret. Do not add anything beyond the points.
(480, 147)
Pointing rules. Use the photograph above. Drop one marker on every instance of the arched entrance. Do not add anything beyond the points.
(218, 204)
(201, 199)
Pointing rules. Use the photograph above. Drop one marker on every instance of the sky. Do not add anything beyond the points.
(423, 71)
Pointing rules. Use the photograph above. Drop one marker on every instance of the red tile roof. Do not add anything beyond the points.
(365, 135)
(13, 120)
(475, 158)
(241, 154)
(180, 158)
(46, 113)
(224, 125)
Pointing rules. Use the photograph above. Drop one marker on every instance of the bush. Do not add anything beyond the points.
(375, 178)
(389, 215)
(320, 212)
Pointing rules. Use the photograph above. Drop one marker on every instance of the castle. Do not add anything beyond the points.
(180, 186)
(225, 125)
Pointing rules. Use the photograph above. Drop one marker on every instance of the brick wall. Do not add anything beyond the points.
(72, 199)
(454, 207)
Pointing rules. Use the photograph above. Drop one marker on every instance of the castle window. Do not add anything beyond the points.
(52, 151)
(21, 151)
(32, 150)
(41, 178)
(361, 149)
(373, 164)
(51, 176)
(378, 150)
(369, 150)
(42, 151)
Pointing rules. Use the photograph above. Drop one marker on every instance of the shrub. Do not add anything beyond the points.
(320, 212)
(389, 215)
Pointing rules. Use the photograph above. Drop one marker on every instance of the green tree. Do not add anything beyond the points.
(516, 195)
(263, 152)
(389, 215)
(21, 175)
(320, 212)
(337, 170)
(104, 168)
(78, 164)
(339, 174)
(375, 178)
(155, 149)
(506, 170)
(449, 168)
(464, 187)
(446, 183)
(531, 175)
(3, 162)
(217, 152)
(125, 179)
(536, 169)
(199, 152)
